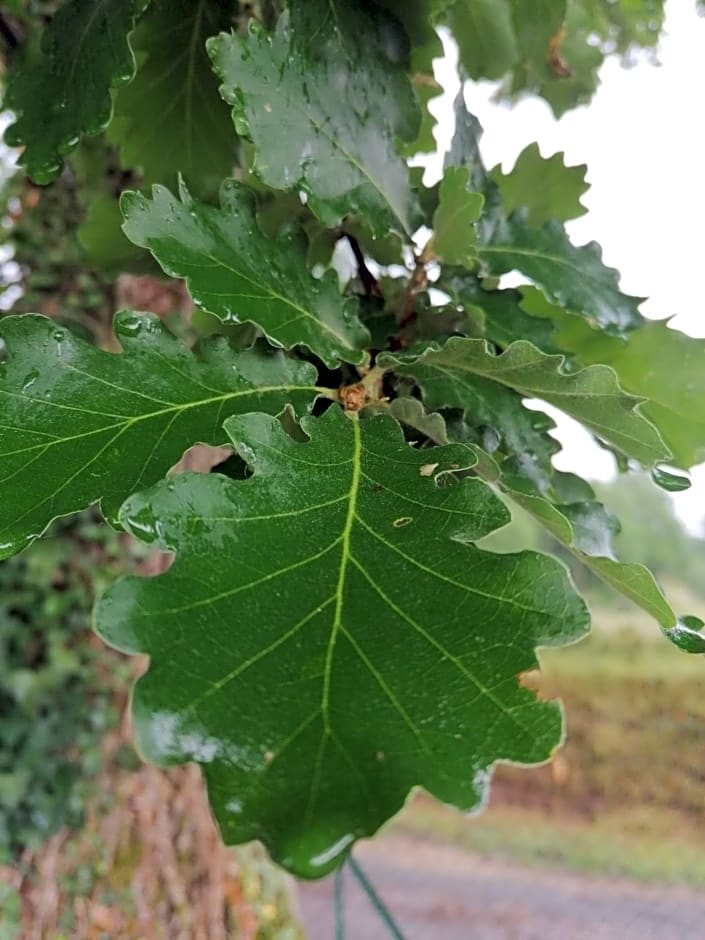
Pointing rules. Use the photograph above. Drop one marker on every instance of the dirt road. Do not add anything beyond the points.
(442, 893)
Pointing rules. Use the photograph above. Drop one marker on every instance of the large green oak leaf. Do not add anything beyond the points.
(323, 99)
(329, 637)
(81, 425)
(63, 90)
(235, 271)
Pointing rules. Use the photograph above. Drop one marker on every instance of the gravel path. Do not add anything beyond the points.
(443, 893)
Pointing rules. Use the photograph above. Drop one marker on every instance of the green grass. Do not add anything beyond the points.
(655, 845)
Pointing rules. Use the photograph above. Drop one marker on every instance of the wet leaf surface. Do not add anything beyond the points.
(328, 588)
(239, 274)
(81, 425)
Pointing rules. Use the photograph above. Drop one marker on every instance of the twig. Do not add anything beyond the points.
(369, 281)
(376, 901)
(338, 900)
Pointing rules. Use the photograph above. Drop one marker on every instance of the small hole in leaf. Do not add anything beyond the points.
(401, 522)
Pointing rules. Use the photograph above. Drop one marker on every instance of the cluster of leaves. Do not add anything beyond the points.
(56, 687)
(330, 634)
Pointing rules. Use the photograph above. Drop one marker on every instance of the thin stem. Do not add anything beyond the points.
(369, 281)
(338, 886)
(376, 901)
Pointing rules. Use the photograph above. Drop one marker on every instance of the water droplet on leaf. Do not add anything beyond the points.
(143, 524)
(687, 635)
(45, 173)
(673, 482)
(129, 325)
(13, 136)
(67, 145)
(30, 379)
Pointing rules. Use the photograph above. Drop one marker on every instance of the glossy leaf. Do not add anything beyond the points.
(574, 277)
(494, 418)
(323, 99)
(544, 186)
(661, 364)
(81, 425)
(174, 99)
(591, 395)
(338, 589)
(237, 273)
(454, 236)
(63, 91)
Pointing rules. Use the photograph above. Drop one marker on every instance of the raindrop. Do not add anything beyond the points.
(67, 145)
(325, 860)
(687, 635)
(45, 173)
(129, 325)
(13, 136)
(30, 379)
(143, 524)
(123, 76)
(673, 482)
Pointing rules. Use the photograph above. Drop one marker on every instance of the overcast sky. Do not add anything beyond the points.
(643, 141)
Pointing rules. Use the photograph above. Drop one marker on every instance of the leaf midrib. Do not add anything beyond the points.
(342, 571)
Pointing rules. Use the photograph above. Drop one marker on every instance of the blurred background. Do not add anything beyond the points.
(607, 841)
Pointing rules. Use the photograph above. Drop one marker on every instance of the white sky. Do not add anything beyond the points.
(643, 141)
